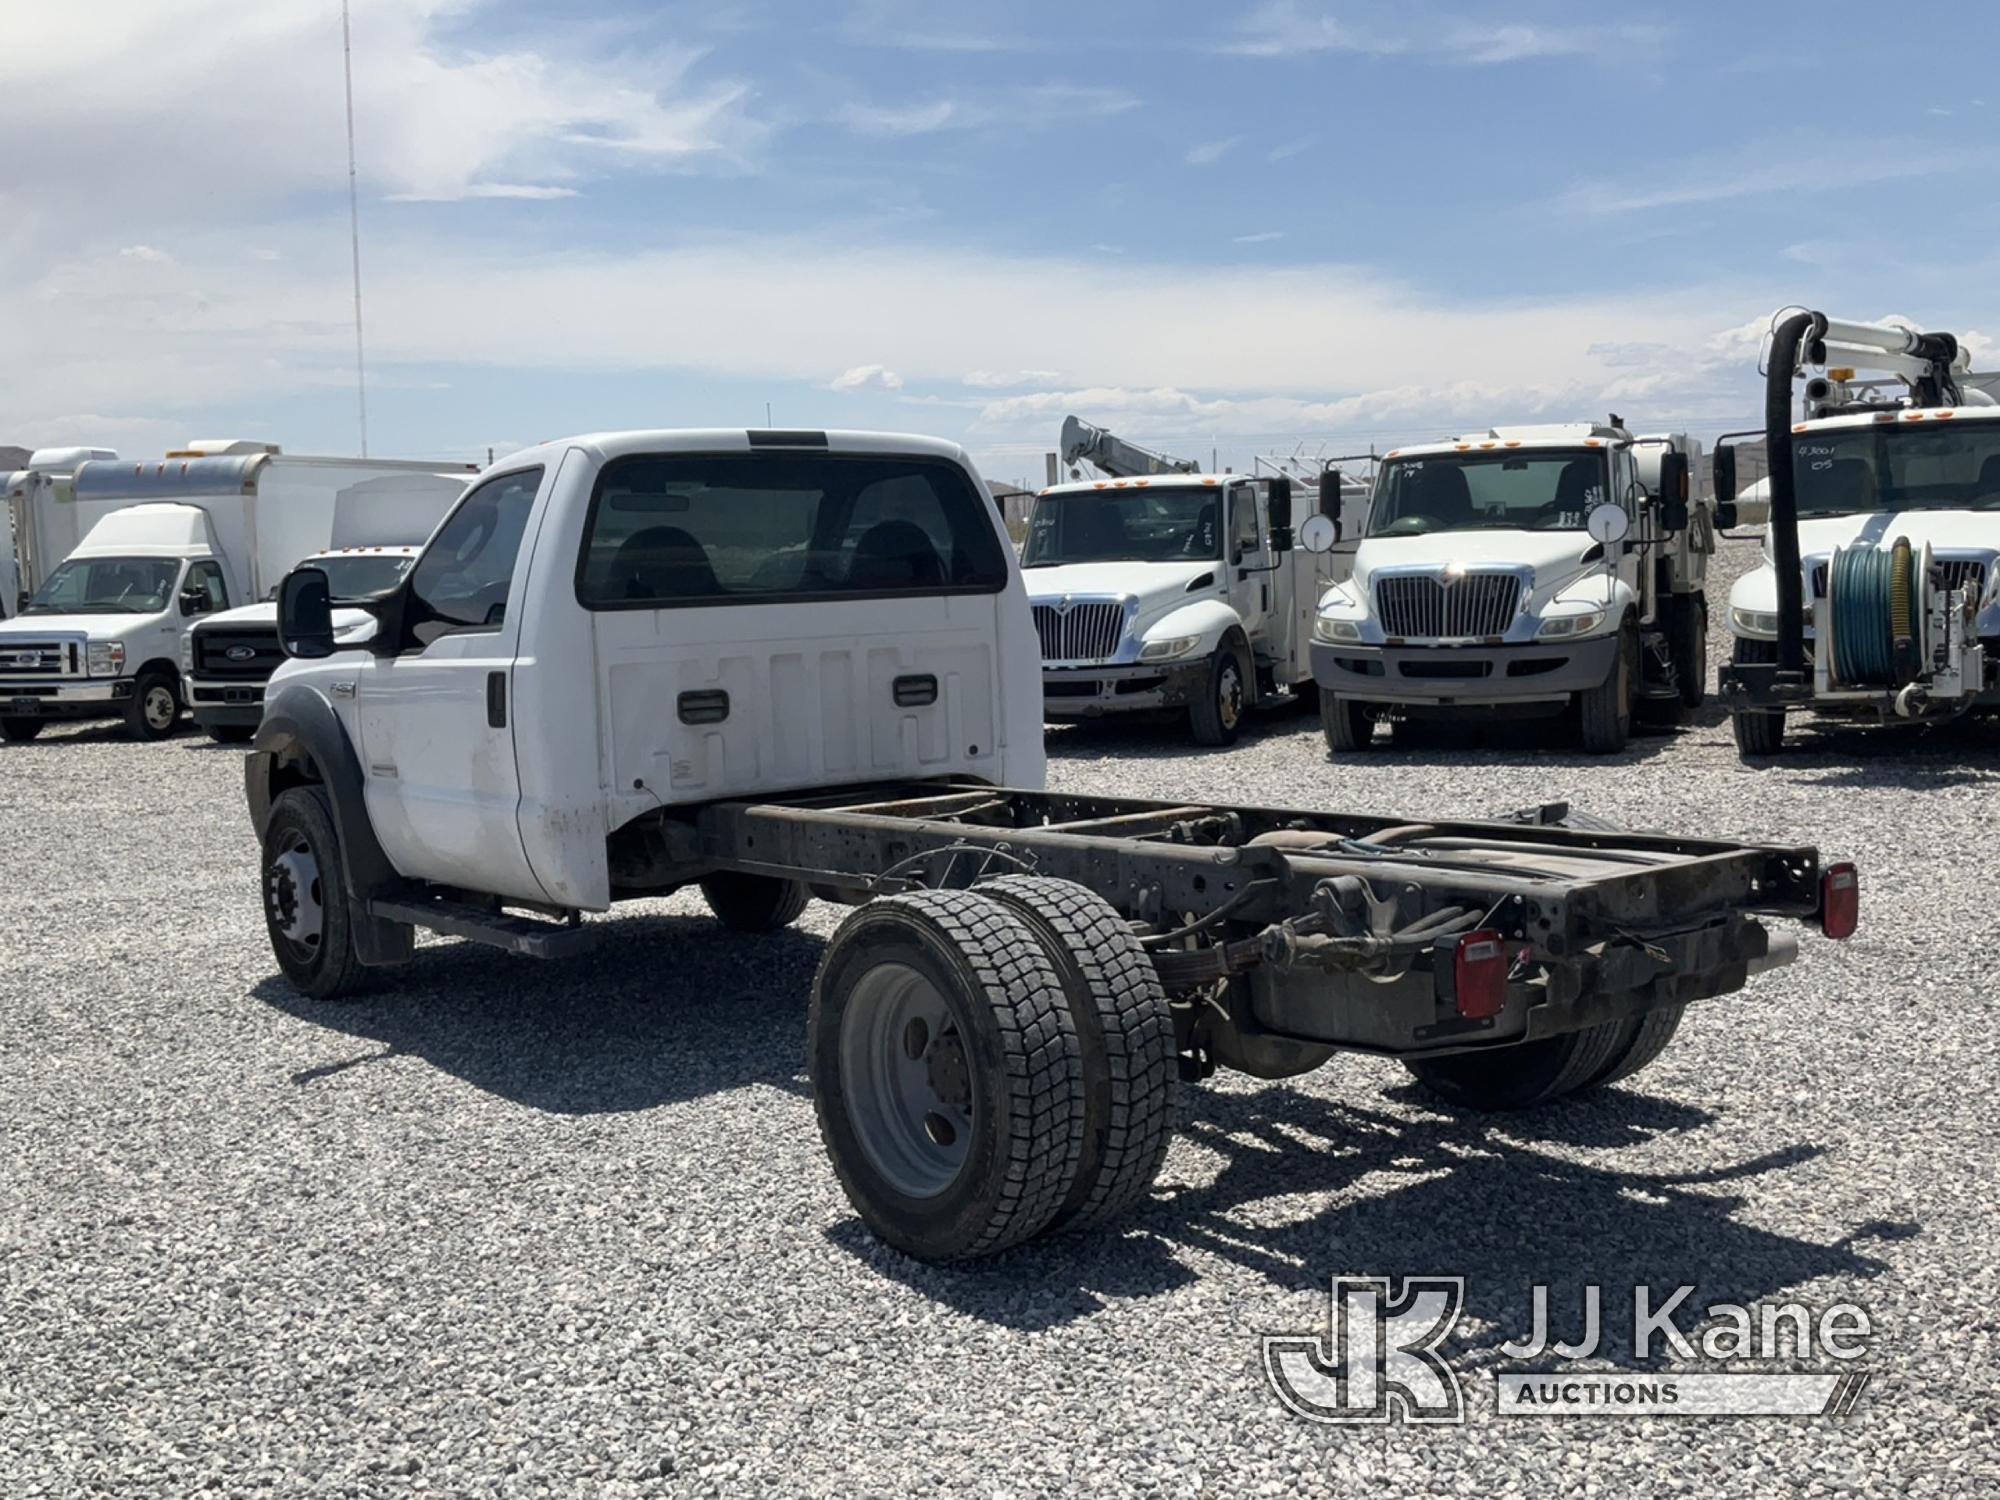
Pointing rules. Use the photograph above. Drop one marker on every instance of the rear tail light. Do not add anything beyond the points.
(1479, 974)
(1840, 901)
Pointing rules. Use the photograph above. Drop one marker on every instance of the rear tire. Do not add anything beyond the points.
(1216, 717)
(754, 903)
(1605, 711)
(155, 709)
(19, 731)
(306, 909)
(1690, 648)
(1126, 1031)
(1641, 1039)
(947, 1074)
(1758, 731)
(231, 734)
(1349, 723)
(1522, 1076)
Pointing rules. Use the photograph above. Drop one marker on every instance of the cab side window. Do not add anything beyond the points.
(205, 591)
(461, 581)
(1243, 519)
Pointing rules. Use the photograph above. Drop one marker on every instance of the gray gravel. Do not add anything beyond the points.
(523, 1230)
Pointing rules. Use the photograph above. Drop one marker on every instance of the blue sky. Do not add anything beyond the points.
(1245, 228)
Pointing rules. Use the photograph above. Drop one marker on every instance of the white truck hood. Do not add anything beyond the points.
(1554, 557)
(1945, 530)
(103, 627)
(1148, 582)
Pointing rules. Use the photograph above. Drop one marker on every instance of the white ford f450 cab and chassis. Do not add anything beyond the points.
(780, 664)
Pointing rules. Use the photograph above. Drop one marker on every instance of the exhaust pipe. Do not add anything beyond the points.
(1786, 342)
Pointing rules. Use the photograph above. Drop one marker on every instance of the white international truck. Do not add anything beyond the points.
(124, 555)
(1521, 571)
(1161, 588)
(379, 525)
(778, 664)
(1878, 596)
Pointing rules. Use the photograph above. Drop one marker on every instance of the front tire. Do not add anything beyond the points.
(1759, 732)
(754, 903)
(306, 909)
(1349, 723)
(231, 734)
(1690, 648)
(19, 731)
(155, 709)
(1217, 715)
(947, 1074)
(1523, 1076)
(1605, 711)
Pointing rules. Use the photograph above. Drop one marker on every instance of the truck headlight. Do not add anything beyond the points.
(187, 651)
(1762, 622)
(106, 658)
(1561, 627)
(1327, 630)
(1167, 648)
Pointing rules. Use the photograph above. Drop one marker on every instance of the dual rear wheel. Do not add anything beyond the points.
(1537, 1073)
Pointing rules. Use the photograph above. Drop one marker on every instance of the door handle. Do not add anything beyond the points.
(917, 690)
(703, 706)
(496, 700)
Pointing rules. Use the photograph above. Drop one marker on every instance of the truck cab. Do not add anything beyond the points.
(101, 637)
(1521, 571)
(1175, 592)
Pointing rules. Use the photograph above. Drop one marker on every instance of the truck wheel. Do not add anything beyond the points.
(947, 1074)
(1521, 1076)
(1758, 731)
(1217, 715)
(1690, 648)
(1349, 723)
(1640, 1039)
(305, 897)
(1606, 710)
(155, 709)
(231, 734)
(19, 731)
(1126, 1031)
(754, 903)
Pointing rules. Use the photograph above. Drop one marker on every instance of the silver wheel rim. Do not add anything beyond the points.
(159, 708)
(1229, 695)
(293, 899)
(907, 1075)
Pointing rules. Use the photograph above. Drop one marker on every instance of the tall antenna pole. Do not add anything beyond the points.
(354, 227)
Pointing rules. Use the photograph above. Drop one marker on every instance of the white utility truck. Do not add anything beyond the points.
(378, 527)
(1878, 597)
(147, 547)
(1159, 588)
(1521, 571)
(775, 664)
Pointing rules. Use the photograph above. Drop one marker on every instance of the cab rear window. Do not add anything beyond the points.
(687, 529)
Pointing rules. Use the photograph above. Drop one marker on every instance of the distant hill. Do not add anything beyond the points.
(12, 458)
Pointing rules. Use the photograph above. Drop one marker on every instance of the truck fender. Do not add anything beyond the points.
(1756, 590)
(301, 742)
(1617, 601)
(1210, 619)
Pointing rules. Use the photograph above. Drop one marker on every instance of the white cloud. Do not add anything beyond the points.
(1262, 237)
(910, 119)
(866, 378)
(1285, 150)
(1000, 380)
(1032, 107)
(147, 254)
(1288, 28)
(1773, 167)
(1211, 152)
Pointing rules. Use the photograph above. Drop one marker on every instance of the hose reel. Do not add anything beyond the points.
(1878, 613)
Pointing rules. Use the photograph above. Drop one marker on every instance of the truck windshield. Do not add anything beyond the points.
(359, 577)
(1547, 490)
(1898, 466)
(106, 585)
(1171, 523)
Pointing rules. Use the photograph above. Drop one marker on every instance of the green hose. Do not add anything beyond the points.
(1873, 592)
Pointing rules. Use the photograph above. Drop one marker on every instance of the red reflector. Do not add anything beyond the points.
(1479, 974)
(1840, 901)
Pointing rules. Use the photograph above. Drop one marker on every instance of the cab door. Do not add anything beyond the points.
(437, 748)
(1247, 556)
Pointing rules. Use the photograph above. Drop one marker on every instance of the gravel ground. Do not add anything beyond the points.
(525, 1230)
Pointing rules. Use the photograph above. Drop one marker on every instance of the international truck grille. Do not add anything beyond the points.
(1079, 632)
(1425, 606)
(41, 659)
(248, 654)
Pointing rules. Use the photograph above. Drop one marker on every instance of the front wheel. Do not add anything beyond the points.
(155, 709)
(231, 734)
(306, 910)
(1606, 710)
(1758, 731)
(1349, 723)
(19, 731)
(1217, 715)
(1690, 648)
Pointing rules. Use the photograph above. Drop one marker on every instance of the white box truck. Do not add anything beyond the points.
(145, 548)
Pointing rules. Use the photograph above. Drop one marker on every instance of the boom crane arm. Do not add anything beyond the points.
(1113, 456)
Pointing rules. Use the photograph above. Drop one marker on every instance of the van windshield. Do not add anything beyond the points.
(1161, 523)
(107, 585)
(1546, 490)
(1898, 466)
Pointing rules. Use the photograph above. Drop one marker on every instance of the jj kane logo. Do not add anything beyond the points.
(1380, 1358)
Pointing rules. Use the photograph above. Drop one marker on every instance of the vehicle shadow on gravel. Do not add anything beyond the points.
(1434, 1193)
(662, 1009)
(1966, 753)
